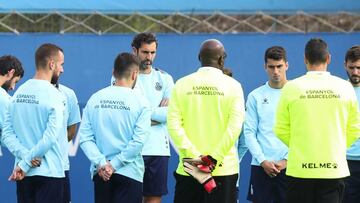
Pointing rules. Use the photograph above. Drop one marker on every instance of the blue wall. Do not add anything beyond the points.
(88, 66)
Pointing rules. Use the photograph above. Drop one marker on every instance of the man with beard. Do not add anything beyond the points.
(156, 86)
(352, 183)
(205, 117)
(115, 125)
(34, 121)
(11, 71)
(72, 118)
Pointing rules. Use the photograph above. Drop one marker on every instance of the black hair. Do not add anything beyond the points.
(44, 53)
(276, 53)
(123, 63)
(316, 51)
(145, 37)
(353, 54)
(9, 62)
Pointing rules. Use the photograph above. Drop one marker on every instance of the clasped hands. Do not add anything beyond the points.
(105, 171)
(272, 169)
(18, 174)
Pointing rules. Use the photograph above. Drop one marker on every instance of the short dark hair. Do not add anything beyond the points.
(8, 62)
(276, 53)
(353, 54)
(145, 37)
(44, 53)
(316, 51)
(123, 63)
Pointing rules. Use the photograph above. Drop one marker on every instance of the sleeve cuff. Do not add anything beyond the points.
(159, 114)
(116, 163)
(103, 162)
(261, 159)
(24, 166)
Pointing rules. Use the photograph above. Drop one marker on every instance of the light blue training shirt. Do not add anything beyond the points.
(72, 116)
(353, 153)
(114, 127)
(32, 128)
(155, 86)
(259, 122)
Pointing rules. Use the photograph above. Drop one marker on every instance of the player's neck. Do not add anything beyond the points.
(277, 85)
(43, 75)
(317, 67)
(123, 83)
(147, 70)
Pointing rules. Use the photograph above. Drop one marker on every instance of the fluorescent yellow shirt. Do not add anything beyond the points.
(205, 117)
(317, 118)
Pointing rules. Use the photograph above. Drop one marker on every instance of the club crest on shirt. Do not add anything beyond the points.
(265, 101)
(158, 86)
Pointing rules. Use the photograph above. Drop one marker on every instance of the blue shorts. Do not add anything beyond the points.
(263, 189)
(118, 189)
(67, 190)
(155, 176)
(40, 189)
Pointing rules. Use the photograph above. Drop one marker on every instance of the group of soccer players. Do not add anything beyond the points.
(297, 131)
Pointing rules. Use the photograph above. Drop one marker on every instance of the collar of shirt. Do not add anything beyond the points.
(318, 73)
(269, 87)
(144, 74)
(3, 92)
(210, 69)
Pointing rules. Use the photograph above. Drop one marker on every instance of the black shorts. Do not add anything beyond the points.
(302, 190)
(67, 189)
(40, 189)
(155, 176)
(352, 183)
(118, 189)
(189, 190)
(263, 189)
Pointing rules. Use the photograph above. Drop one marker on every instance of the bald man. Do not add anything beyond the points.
(204, 120)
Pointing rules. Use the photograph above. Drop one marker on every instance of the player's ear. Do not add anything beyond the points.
(306, 61)
(10, 73)
(221, 61)
(134, 74)
(51, 64)
(328, 59)
(286, 65)
(134, 51)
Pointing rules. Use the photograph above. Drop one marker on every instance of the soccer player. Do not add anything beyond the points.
(317, 118)
(72, 118)
(205, 116)
(352, 183)
(156, 86)
(11, 71)
(269, 154)
(32, 129)
(114, 127)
